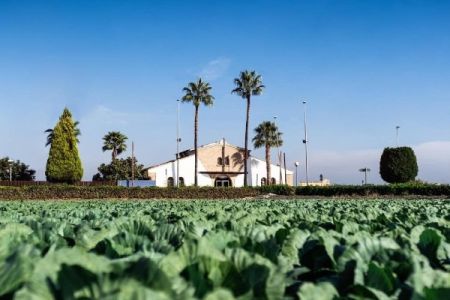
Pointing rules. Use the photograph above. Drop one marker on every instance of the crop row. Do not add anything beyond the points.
(225, 249)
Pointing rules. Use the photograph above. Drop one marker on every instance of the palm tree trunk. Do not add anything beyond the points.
(246, 140)
(268, 181)
(195, 145)
(114, 154)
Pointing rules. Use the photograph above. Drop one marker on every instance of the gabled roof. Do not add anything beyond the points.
(189, 152)
(222, 142)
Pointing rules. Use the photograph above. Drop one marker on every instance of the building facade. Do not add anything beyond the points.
(219, 164)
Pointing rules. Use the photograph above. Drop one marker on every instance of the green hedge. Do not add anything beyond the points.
(112, 192)
(284, 190)
(401, 189)
(105, 192)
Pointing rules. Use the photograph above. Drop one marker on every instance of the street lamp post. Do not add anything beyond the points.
(305, 141)
(396, 134)
(10, 162)
(132, 164)
(296, 172)
(178, 143)
(279, 154)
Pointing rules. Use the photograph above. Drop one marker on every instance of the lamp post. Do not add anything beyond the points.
(279, 153)
(305, 141)
(365, 170)
(10, 162)
(132, 164)
(396, 134)
(178, 143)
(296, 172)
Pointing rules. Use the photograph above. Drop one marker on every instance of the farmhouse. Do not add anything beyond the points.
(219, 164)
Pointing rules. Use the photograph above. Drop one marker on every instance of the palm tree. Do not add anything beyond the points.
(267, 135)
(114, 141)
(50, 134)
(248, 84)
(197, 92)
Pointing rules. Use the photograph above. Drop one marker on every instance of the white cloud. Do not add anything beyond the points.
(104, 115)
(215, 68)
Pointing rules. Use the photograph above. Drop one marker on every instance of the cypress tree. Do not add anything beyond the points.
(64, 164)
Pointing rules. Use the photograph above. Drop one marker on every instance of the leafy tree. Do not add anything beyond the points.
(20, 171)
(114, 141)
(267, 136)
(248, 84)
(398, 165)
(64, 164)
(120, 169)
(197, 93)
(50, 134)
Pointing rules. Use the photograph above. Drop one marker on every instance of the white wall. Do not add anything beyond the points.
(256, 168)
(258, 171)
(164, 171)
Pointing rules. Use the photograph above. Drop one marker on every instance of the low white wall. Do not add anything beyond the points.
(258, 171)
(164, 171)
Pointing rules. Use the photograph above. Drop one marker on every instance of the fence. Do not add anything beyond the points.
(79, 183)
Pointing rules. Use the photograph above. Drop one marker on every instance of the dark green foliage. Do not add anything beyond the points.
(20, 171)
(64, 164)
(398, 165)
(401, 189)
(120, 169)
(115, 192)
(50, 134)
(267, 134)
(114, 141)
(279, 189)
(54, 191)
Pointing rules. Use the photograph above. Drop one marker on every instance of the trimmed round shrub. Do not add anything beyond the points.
(398, 165)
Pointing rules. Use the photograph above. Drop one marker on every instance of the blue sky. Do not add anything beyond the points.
(363, 66)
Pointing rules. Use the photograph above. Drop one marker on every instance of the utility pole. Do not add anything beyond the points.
(396, 134)
(10, 162)
(178, 144)
(279, 154)
(285, 171)
(296, 172)
(132, 164)
(305, 141)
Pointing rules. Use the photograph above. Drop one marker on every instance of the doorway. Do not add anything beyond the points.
(222, 181)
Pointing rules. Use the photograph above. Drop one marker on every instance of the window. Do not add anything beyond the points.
(170, 181)
(181, 181)
(263, 181)
(273, 181)
(227, 161)
(219, 161)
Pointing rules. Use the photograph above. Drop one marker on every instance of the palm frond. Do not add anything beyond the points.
(198, 92)
(267, 134)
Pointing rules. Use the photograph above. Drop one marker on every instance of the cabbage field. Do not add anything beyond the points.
(224, 249)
